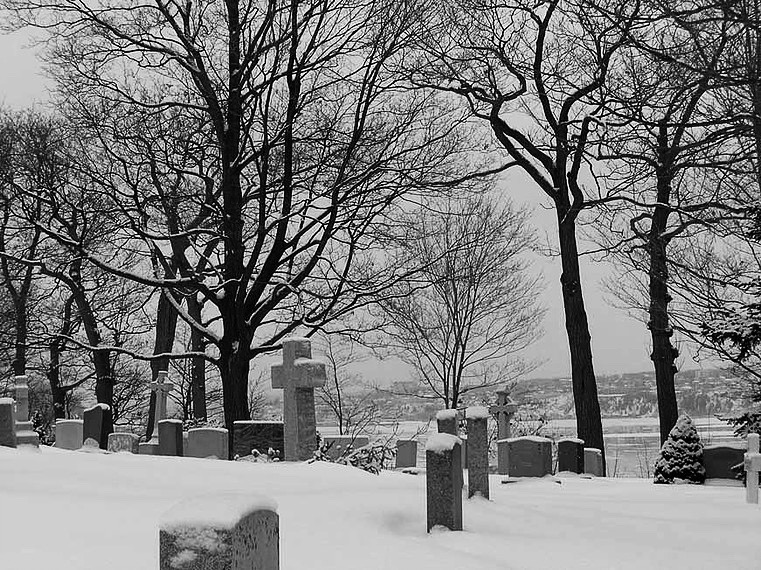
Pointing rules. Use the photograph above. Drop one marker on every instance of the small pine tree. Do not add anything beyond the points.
(681, 456)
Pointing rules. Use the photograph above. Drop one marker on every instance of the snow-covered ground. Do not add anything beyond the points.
(81, 511)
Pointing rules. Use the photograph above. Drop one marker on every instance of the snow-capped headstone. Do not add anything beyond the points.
(528, 456)
(719, 461)
(123, 442)
(7, 422)
(298, 376)
(170, 438)
(69, 434)
(208, 443)
(97, 421)
(225, 532)
(25, 434)
(752, 464)
(161, 387)
(406, 453)
(443, 481)
(571, 455)
(593, 461)
(478, 451)
(249, 435)
(446, 421)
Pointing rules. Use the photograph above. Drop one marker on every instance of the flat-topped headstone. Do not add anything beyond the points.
(7, 422)
(97, 423)
(406, 453)
(249, 435)
(478, 451)
(208, 443)
(170, 438)
(593, 461)
(571, 455)
(528, 456)
(122, 442)
(752, 465)
(443, 476)
(69, 434)
(298, 376)
(719, 461)
(223, 532)
(446, 421)
(341, 445)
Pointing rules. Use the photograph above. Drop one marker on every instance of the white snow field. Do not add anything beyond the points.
(86, 511)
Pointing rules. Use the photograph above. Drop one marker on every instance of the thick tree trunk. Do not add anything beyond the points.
(166, 328)
(664, 353)
(233, 368)
(587, 405)
(198, 374)
(54, 378)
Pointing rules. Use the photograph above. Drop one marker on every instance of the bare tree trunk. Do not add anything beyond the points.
(233, 368)
(588, 421)
(166, 327)
(198, 374)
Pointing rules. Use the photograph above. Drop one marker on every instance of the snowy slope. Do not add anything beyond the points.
(80, 511)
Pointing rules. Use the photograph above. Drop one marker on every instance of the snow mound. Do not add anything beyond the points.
(477, 413)
(444, 415)
(217, 511)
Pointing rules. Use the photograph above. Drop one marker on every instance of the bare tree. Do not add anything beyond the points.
(473, 306)
(528, 70)
(249, 147)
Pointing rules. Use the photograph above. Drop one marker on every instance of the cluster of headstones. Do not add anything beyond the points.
(447, 455)
(15, 427)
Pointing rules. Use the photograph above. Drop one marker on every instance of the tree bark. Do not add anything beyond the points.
(588, 421)
(166, 328)
(233, 367)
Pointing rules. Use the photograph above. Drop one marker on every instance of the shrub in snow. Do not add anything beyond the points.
(370, 458)
(681, 457)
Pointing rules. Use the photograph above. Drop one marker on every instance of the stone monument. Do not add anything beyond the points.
(162, 388)
(25, 434)
(478, 451)
(443, 476)
(298, 376)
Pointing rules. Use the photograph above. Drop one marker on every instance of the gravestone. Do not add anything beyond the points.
(528, 456)
(593, 461)
(571, 455)
(259, 435)
(225, 532)
(96, 423)
(25, 434)
(719, 460)
(503, 410)
(208, 443)
(340, 445)
(298, 376)
(446, 422)
(752, 464)
(123, 442)
(478, 451)
(406, 453)
(69, 434)
(7, 422)
(170, 438)
(443, 476)
(161, 387)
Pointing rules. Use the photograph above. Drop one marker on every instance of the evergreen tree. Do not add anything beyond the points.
(681, 455)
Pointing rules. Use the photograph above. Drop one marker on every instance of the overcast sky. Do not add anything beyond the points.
(619, 343)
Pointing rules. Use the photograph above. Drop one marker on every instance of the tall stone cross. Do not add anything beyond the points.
(298, 376)
(162, 389)
(505, 409)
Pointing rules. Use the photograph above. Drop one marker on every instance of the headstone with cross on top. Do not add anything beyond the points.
(298, 376)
